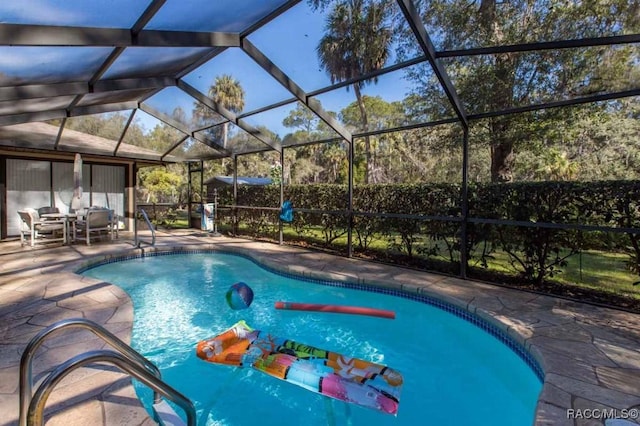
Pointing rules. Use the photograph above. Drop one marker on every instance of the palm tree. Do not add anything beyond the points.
(226, 92)
(357, 41)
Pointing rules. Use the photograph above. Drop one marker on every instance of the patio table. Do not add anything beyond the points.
(69, 222)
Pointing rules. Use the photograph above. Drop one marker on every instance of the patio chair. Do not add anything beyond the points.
(94, 222)
(40, 231)
(47, 210)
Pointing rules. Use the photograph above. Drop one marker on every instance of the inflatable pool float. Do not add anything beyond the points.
(340, 309)
(328, 373)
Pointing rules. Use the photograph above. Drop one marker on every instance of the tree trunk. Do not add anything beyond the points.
(501, 97)
(225, 164)
(225, 133)
(369, 177)
(502, 155)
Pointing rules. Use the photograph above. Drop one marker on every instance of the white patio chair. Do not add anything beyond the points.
(39, 231)
(94, 222)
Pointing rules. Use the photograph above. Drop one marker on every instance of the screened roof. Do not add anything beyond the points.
(148, 68)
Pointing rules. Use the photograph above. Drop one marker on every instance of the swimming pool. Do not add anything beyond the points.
(454, 371)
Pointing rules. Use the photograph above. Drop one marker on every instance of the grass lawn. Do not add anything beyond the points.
(594, 270)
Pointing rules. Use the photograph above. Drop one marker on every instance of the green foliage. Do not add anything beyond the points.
(534, 252)
(368, 198)
(380, 114)
(423, 221)
(624, 213)
(255, 196)
(162, 137)
(317, 163)
(227, 92)
(258, 223)
(507, 80)
(539, 252)
(163, 215)
(254, 165)
(332, 198)
(160, 184)
(107, 126)
(275, 172)
(580, 143)
(357, 41)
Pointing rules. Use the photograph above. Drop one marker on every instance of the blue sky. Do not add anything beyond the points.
(290, 42)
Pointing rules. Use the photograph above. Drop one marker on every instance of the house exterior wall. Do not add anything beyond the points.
(48, 181)
(108, 188)
(62, 179)
(28, 185)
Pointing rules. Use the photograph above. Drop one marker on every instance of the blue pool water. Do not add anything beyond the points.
(454, 372)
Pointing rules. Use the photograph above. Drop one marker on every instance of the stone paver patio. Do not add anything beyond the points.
(590, 355)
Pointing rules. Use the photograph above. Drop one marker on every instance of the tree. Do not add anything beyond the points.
(336, 157)
(163, 136)
(226, 92)
(257, 164)
(505, 80)
(302, 118)
(556, 166)
(308, 162)
(160, 184)
(380, 115)
(109, 126)
(275, 173)
(357, 41)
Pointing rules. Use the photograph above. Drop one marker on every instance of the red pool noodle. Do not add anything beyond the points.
(356, 310)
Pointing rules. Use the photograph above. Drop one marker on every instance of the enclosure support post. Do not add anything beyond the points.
(464, 203)
(203, 198)
(235, 194)
(350, 201)
(135, 199)
(189, 195)
(281, 239)
(3, 198)
(215, 232)
(192, 191)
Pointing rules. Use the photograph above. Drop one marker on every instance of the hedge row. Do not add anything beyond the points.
(432, 232)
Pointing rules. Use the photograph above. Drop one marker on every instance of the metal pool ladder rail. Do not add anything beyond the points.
(125, 358)
(150, 225)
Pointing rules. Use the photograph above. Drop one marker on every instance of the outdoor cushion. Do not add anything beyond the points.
(40, 231)
(47, 210)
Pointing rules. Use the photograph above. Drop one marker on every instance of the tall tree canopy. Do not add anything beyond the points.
(356, 42)
(502, 81)
(227, 92)
(313, 163)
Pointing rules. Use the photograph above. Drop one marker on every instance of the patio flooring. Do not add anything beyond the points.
(590, 355)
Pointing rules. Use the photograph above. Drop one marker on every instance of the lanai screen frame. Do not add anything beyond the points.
(214, 43)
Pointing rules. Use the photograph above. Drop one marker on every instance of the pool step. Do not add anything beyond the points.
(165, 414)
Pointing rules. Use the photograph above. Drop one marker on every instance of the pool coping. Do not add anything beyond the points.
(589, 354)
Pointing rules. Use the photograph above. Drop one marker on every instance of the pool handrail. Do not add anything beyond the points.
(36, 406)
(139, 242)
(26, 359)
